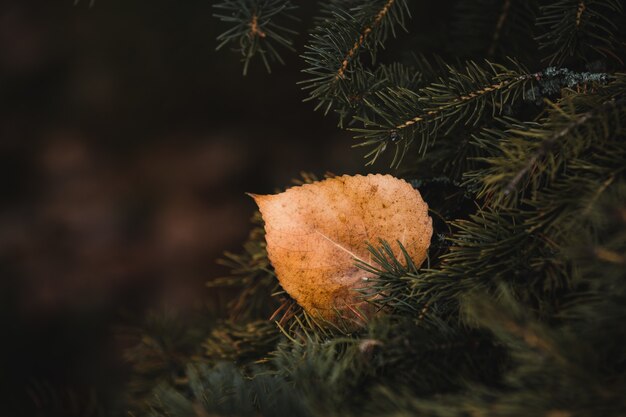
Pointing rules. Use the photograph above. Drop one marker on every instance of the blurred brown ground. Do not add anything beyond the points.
(126, 146)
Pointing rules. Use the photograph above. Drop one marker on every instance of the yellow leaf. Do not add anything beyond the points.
(315, 232)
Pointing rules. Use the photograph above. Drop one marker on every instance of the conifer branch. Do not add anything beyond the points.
(251, 272)
(542, 149)
(392, 278)
(573, 28)
(241, 343)
(362, 38)
(460, 101)
(351, 97)
(461, 98)
(331, 55)
(255, 29)
(519, 307)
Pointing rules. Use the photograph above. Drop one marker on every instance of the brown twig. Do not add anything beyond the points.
(289, 313)
(282, 306)
(255, 29)
(368, 29)
(466, 97)
(579, 12)
(609, 256)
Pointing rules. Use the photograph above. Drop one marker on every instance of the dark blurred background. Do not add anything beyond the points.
(127, 144)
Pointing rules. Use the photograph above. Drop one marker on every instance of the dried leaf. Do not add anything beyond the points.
(315, 232)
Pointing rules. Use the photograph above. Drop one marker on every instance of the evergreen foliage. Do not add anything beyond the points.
(578, 29)
(255, 28)
(520, 307)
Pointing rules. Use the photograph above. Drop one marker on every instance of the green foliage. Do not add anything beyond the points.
(254, 28)
(351, 99)
(251, 274)
(162, 344)
(519, 308)
(344, 32)
(582, 29)
(223, 390)
(402, 115)
(461, 100)
(243, 342)
(575, 125)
